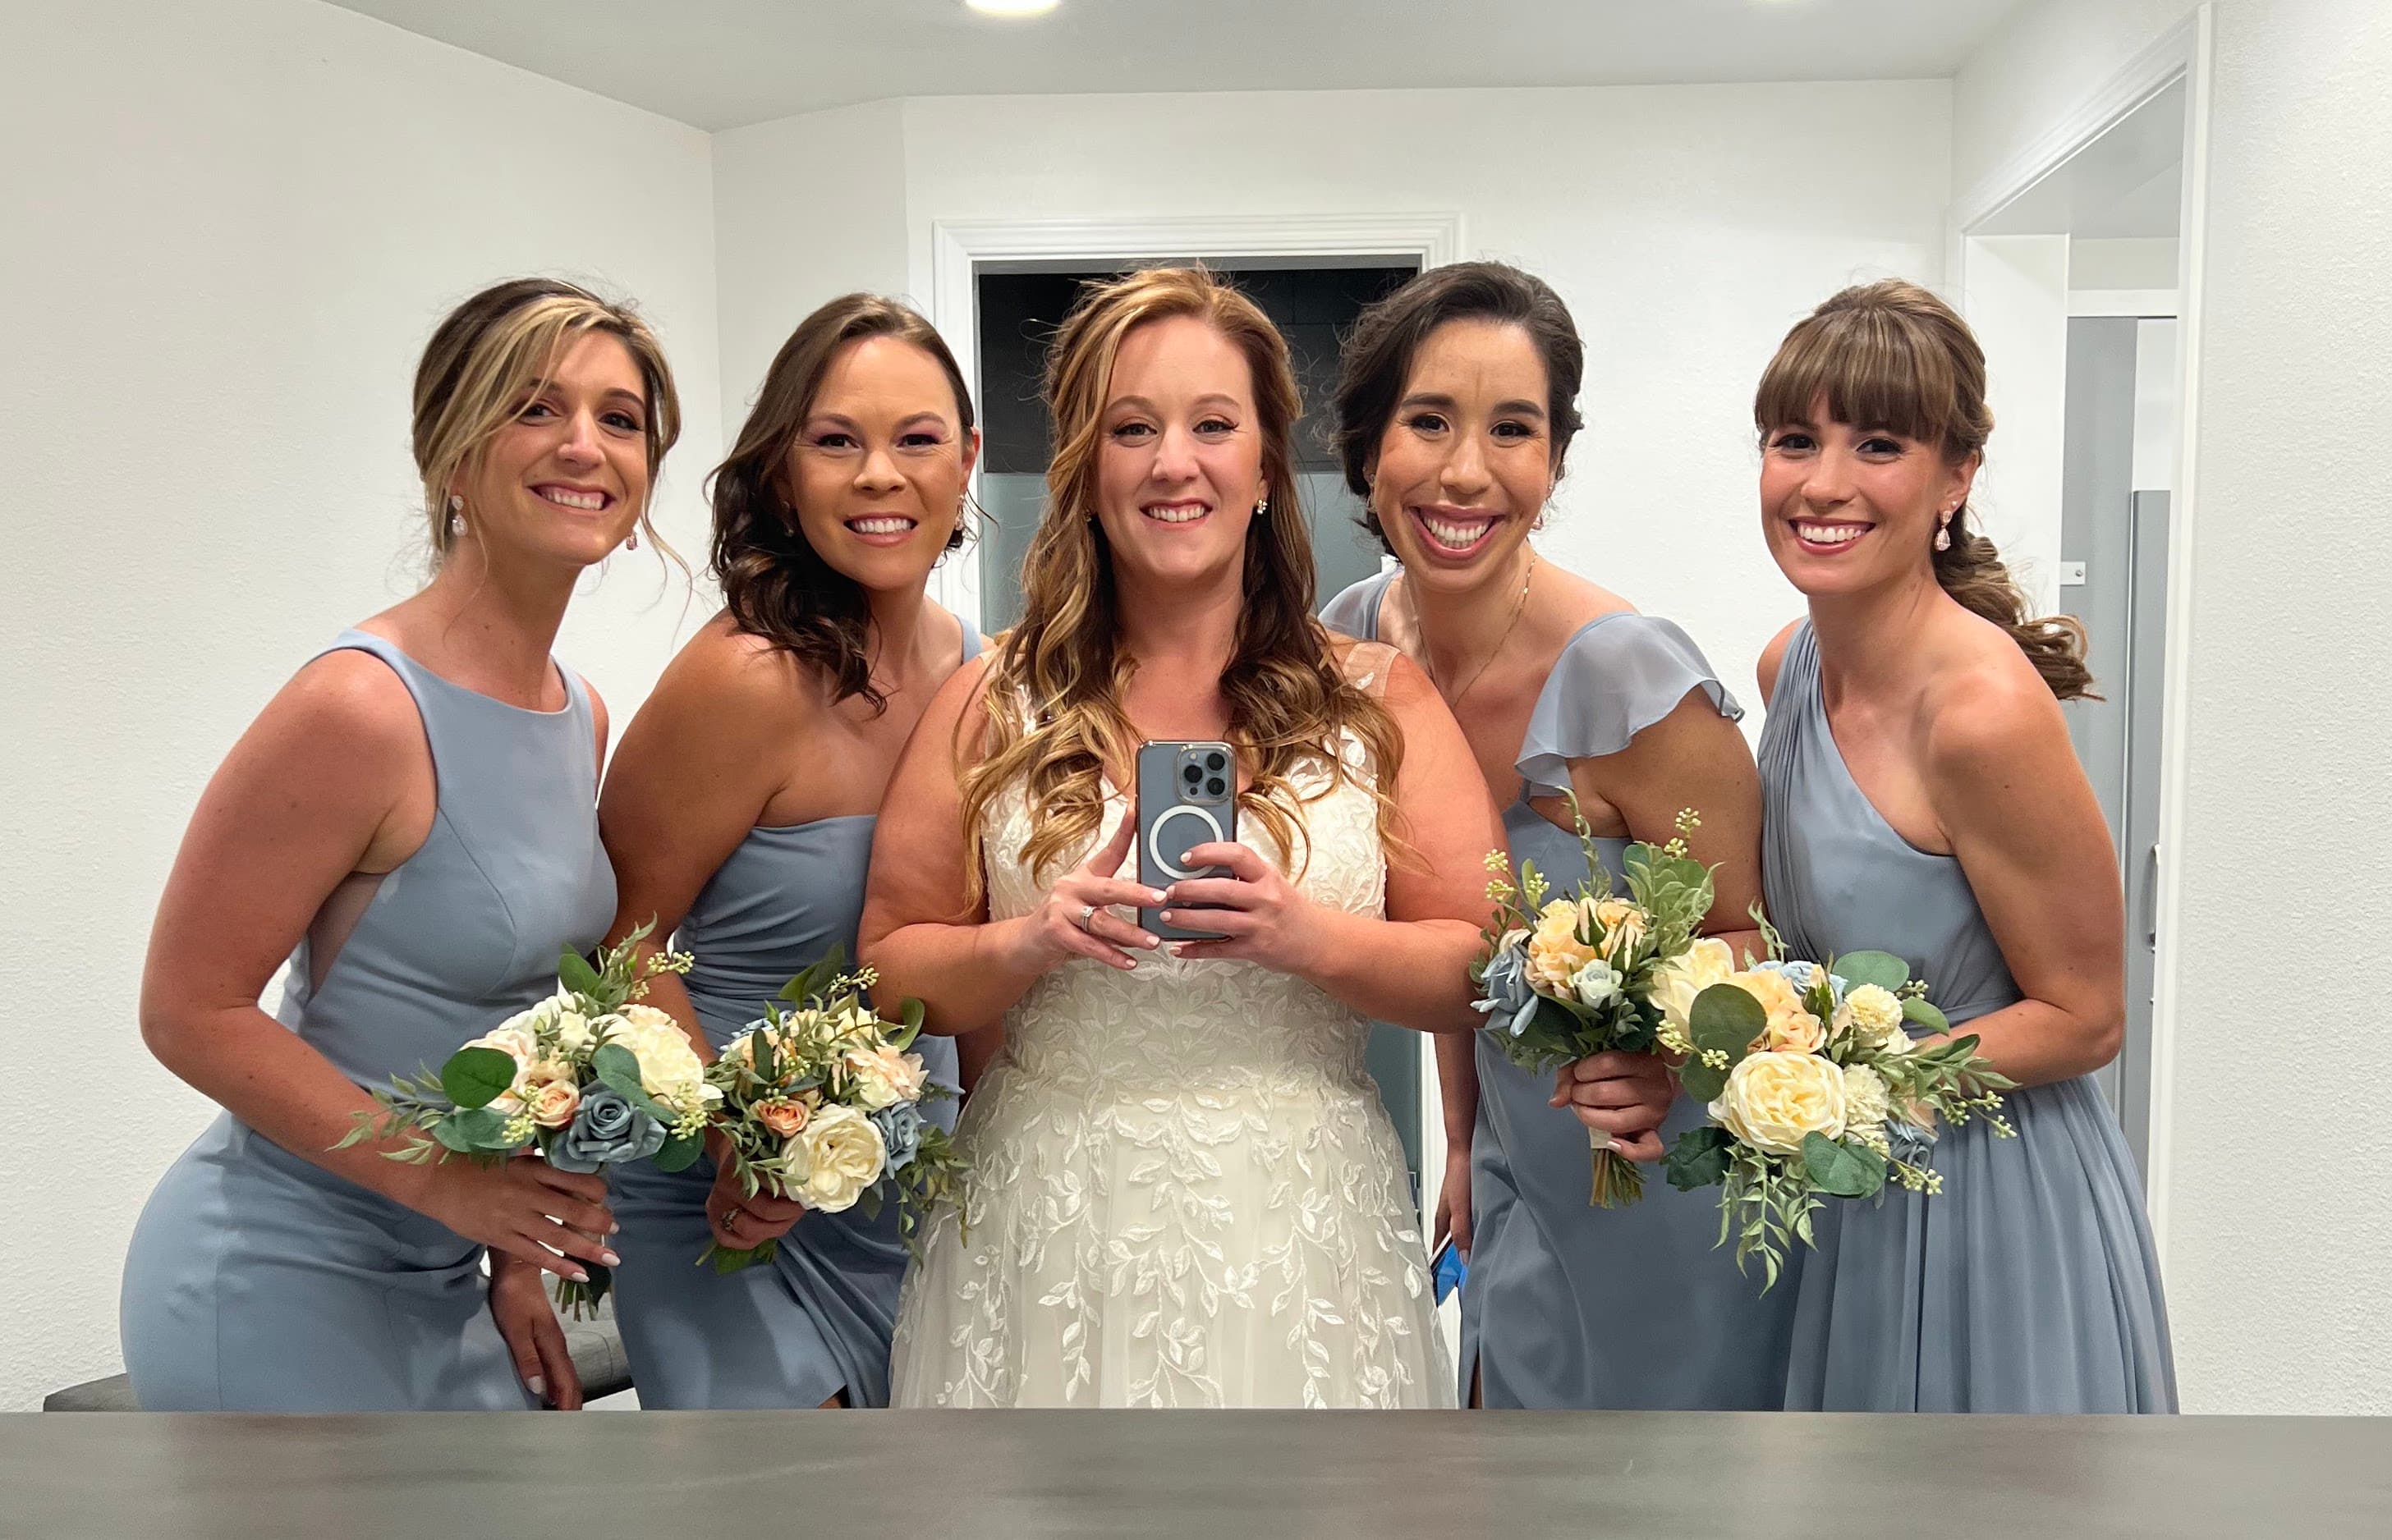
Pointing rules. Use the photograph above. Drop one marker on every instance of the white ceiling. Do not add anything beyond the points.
(721, 63)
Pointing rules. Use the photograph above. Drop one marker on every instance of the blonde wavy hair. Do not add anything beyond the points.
(1053, 719)
(491, 353)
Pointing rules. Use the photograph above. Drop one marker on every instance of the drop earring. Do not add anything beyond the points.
(1943, 531)
(632, 543)
(456, 515)
(1262, 509)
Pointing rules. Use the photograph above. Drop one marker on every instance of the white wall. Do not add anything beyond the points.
(2280, 1247)
(805, 209)
(1687, 227)
(2049, 57)
(233, 228)
(2277, 1241)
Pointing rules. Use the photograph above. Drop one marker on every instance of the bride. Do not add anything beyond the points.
(1183, 1190)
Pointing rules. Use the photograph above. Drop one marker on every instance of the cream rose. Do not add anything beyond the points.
(669, 1068)
(1595, 983)
(1676, 983)
(1772, 1100)
(1554, 951)
(1874, 1018)
(549, 1093)
(843, 1156)
(885, 1077)
(786, 1118)
(1623, 924)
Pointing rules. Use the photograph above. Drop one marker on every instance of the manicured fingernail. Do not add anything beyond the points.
(1158, 896)
(1169, 918)
(1178, 948)
(610, 1259)
(616, 1228)
(578, 1276)
(537, 1386)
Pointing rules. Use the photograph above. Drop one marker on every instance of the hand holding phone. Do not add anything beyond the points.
(1186, 796)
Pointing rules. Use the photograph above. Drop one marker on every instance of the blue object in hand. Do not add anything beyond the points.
(1447, 1268)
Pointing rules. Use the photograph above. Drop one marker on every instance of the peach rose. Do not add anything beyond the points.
(782, 1116)
(1554, 952)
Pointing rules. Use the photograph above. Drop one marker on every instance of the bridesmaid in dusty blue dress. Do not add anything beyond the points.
(412, 822)
(1923, 800)
(740, 811)
(1455, 412)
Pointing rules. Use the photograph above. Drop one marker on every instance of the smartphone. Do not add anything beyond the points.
(1447, 1268)
(1186, 796)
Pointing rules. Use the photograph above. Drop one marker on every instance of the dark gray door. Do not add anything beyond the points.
(2113, 543)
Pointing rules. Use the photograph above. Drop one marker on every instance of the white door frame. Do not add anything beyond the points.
(2185, 53)
(958, 247)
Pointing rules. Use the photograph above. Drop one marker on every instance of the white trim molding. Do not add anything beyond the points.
(2145, 303)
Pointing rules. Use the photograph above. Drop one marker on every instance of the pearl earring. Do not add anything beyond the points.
(456, 514)
(1262, 509)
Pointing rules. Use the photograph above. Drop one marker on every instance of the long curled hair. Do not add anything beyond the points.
(775, 584)
(488, 358)
(1054, 689)
(1891, 354)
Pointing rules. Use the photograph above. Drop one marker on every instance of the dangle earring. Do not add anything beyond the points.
(456, 515)
(1262, 509)
(632, 543)
(1943, 531)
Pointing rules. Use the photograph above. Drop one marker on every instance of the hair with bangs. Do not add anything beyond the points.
(1054, 722)
(1890, 355)
(775, 584)
(488, 358)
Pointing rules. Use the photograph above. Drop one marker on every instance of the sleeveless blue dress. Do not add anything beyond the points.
(2029, 1285)
(257, 1281)
(1567, 1305)
(818, 1317)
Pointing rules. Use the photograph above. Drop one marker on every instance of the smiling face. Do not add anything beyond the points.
(1847, 508)
(877, 469)
(566, 478)
(1465, 464)
(1179, 453)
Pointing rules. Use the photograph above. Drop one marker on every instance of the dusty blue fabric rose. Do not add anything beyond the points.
(1504, 995)
(608, 1131)
(900, 1130)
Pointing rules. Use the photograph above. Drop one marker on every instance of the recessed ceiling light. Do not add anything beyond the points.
(1013, 7)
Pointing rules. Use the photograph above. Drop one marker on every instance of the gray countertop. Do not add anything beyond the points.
(1221, 1475)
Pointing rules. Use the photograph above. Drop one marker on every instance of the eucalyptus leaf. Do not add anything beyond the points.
(1699, 1159)
(1725, 1019)
(1882, 968)
(1923, 1012)
(1701, 1081)
(477, 1076)
(1844, 1170)
(574, 972)
(679, 1154)
(481, 1128)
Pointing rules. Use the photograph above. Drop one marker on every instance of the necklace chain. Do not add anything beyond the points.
(1519, 606)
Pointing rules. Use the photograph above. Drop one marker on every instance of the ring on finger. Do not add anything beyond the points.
(732, 1215)
(1088, 913)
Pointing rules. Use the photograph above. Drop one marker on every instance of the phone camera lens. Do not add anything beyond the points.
(1217, 786)
(1191, 774)
(1214, 763)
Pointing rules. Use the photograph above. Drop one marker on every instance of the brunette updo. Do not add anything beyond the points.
(1890, 354)
(1378, 357)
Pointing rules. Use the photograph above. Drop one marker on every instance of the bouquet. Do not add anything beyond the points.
(584, 1079)
(1815, 1086)
(821, 1104)
(1577, 974)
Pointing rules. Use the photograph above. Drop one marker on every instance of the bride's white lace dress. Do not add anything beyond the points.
(1183, 1189)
